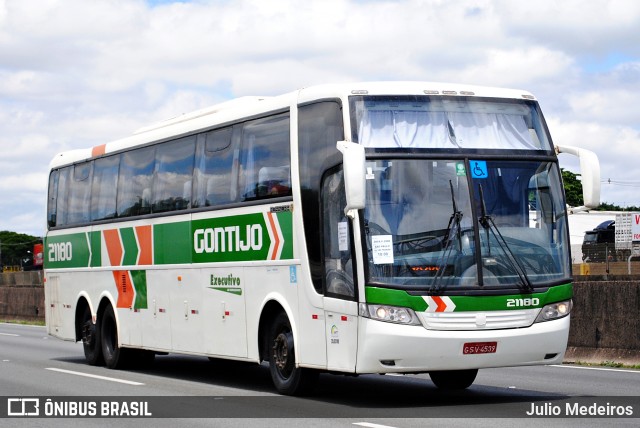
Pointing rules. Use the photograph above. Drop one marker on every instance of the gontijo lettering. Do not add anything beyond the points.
(227, 239)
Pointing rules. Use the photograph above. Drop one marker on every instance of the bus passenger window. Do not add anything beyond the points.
(136, 173)
(78, 202)
(62, 210)
(53, 198)
(172, 179)
(104, 187)
(264, 151)
(214, 169)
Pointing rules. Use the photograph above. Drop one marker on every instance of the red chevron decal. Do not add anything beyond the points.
(442, 306)
(114, 246)
(125, 289)
(145, 243)
(276, 237)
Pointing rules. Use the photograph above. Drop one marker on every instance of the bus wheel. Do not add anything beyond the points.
(453, 379)
(115, 357)
(91, 340)
(287, 378)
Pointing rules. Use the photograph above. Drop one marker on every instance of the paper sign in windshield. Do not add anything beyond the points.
(382, 248)
(343, 236)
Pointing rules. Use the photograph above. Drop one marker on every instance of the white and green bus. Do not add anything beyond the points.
(399, 227)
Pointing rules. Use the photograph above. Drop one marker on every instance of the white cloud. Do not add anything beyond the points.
(617, 148)
(580, 28)
(515, 66)
(27, 181)
(617, 106)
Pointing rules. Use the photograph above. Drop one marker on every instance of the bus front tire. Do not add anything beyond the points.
(287, 378)
(453, 379)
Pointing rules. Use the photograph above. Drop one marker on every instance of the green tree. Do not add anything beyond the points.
(17, 248)
(606, 206)
(572, 188)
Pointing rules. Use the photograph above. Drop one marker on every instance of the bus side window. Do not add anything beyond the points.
(320, 127)
(53, 198)
(104, 187)
(265, 147)
(336, 240)
(136, 174)
(78, 201)
(213, 171)
(62, 210)
(173, 174)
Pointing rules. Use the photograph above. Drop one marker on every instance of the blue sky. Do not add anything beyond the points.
(74, 74)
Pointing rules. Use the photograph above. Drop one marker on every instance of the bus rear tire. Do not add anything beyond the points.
(287, 378)
(115, 357)
(453, 379)
(91, 342)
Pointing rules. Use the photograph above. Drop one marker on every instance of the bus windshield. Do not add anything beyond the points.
(448, 123)
(433, 224)
(446, 208)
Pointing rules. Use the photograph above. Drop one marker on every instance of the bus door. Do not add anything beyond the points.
(340, 300)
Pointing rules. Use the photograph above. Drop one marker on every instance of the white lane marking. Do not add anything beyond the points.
(110, 379)
(604, 369)
(9, 334)
(370, 425)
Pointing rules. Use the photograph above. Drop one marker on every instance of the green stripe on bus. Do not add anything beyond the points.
(247, 237)
(385, 296)
(67, 251)
(172, 243)
(286, 225)
(96, 249)
(231, 239)
(139, 279)
(130, 246)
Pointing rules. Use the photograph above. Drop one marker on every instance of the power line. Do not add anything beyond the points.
(621, 183)
(15, 244)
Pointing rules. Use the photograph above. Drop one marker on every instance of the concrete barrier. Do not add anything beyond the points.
(22, 296)
(21, 279)
(611, 268)
(605, 321)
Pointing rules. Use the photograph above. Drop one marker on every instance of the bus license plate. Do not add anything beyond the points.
(471, 348)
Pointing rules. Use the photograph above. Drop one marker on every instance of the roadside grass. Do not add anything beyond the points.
(23, 322)
(612, 364)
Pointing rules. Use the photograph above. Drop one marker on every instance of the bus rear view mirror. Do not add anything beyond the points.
(353, 164)
(590, 172)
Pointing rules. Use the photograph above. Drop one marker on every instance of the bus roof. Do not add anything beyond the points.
(250, 106)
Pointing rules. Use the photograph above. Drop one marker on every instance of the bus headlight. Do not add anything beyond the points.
(394, 314)
(555, 311)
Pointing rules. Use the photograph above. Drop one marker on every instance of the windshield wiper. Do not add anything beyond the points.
(486, 221)
(453, 228)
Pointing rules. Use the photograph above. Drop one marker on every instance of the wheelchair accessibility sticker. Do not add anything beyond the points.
(479, 169)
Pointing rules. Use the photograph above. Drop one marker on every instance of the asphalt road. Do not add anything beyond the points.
(192, 391)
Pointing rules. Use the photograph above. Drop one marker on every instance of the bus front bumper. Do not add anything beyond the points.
(392, 348)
